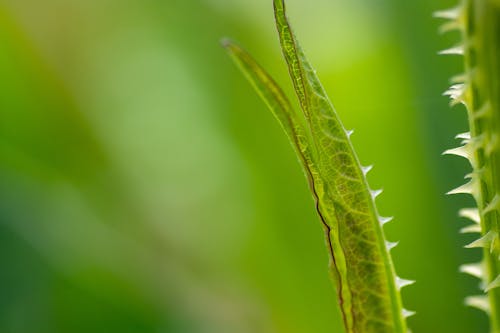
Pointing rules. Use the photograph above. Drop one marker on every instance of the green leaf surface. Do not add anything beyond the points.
(360, 263)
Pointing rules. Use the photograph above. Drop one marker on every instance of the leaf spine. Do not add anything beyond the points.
(487, 241)
(401, 283)
(459, 78)
(464, 136)
(493, 205)
(470, 213)
(375, 193)
(408, 313)
(479, 302)
(474, 269)
(456, 93)
(383, 220)
(455, 50)
(454, 17)
(449, 14)
(493, 284)
(391, 245)
(466, 188)
(462, 151)
(366, 169)
(471, 229)
(450, 26)
(475, 174)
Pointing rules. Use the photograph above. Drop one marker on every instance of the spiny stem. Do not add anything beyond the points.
(479, 23)
(482, 36)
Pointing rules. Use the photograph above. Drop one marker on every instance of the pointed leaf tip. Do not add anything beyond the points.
(225, 42)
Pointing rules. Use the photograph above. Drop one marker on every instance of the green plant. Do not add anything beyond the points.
(479, 90)
(361, 266)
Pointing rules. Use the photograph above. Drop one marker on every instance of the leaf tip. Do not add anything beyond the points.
(226, 42)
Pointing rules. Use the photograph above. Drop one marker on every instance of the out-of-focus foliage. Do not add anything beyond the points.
(144, 188)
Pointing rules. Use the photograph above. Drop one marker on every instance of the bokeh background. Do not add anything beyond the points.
(144, 187)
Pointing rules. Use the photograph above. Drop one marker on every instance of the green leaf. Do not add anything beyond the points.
(360, 263)
(273, 96)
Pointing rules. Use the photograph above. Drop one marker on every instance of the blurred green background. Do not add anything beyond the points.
(144, 187)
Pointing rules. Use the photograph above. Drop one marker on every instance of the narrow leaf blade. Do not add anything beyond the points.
(366, 282)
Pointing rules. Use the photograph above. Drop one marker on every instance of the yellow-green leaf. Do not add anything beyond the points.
(361, 266)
